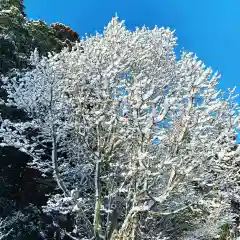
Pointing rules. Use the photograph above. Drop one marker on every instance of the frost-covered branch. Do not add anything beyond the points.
(135, 134)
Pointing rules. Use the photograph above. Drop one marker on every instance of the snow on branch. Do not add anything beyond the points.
(135, 133)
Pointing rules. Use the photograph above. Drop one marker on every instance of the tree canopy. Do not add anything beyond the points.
(143, 144)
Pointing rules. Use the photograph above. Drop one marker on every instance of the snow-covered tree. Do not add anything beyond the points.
(3, 235)
(142, 143)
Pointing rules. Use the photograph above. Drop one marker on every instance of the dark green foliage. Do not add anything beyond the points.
(12, 113)
(225, 232)
(18, 38)
(6, 4)
(16, 222)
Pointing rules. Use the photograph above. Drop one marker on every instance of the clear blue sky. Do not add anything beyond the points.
(210, 28)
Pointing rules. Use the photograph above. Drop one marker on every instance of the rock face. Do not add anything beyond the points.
(22, 189)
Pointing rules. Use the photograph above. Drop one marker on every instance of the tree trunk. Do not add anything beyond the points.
(128, 229)
(96, 220)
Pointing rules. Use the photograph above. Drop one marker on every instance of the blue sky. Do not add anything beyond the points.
(209, 28)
